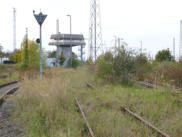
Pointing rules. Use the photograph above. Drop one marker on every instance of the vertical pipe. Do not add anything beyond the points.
(41, 52)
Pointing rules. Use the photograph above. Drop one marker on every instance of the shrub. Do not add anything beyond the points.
(89, 61)
(75, 62)
(173, 73)
(123, 64)
(62, 58)
(118, 67)
(104, 66)
(142, 67)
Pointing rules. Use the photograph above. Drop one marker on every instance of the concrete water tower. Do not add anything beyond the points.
(65, 43)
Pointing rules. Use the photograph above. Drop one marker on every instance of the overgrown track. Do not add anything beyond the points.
(7, 127)
(10, 83)
(145, 84)
(85, 119)
(8, 88)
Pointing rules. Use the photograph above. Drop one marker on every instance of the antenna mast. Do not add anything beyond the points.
(180, 43)
(14, 29)
(95, 32)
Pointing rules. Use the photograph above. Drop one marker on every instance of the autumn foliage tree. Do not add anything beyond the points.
(30, 54)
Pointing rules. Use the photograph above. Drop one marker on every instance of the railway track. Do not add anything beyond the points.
(7, 105)
(8, 88)
(161, 133)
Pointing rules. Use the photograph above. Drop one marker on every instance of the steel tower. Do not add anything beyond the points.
(14, 29)
(180, 42)
(95, 31)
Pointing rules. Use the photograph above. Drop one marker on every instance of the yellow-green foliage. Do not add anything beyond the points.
(17, 56)
(33, 53)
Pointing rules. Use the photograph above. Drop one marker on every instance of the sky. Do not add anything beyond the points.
(154, 22)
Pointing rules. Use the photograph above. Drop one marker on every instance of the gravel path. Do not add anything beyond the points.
(7, 127)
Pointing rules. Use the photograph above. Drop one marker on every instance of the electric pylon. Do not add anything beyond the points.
(95, 30)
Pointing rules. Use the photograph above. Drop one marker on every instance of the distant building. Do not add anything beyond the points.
(51, 62)
(65, 42)
(3, 59)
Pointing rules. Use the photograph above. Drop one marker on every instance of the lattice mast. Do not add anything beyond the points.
(95, 31)
(14, 29)
(180, 43)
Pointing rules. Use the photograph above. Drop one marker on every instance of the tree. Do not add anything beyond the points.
(33, 50)
(142, 66)
(17, 56)
(52, 54)
(75, 61)
(62, 58)
(164, 55)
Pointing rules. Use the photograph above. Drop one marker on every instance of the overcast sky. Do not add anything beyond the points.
(155, 22)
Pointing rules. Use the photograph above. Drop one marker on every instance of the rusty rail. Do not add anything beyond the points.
(85, 119)
(146, 122)
(8, 92)
(7, 84)
(89, 85)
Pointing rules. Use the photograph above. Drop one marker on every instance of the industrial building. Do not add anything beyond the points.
(65, 43)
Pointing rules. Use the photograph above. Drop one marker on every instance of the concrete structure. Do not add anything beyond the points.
(51, 62)
(65, 42)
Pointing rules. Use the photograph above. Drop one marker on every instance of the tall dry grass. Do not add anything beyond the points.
(46, 107)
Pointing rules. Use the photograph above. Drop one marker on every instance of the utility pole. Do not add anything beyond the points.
(174, 48)
(26, 49)
(70, 38)
(57, 53)
(141, 44)
(119, 42)
(115, 42)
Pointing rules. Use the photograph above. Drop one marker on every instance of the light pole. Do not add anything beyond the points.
(40, 19)
(70, 38)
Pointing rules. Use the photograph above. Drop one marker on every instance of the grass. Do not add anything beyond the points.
(46, 108)
(9, 71)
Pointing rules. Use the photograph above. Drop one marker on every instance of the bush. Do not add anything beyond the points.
(75, 61)
(172, 73)
(143, 67)
(89, 61)
(123, 64)
(118, 67)
(104, 66)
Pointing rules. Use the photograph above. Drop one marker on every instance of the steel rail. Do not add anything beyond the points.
(10, 83)
(84, 117)
(145, 122)
(8, 92)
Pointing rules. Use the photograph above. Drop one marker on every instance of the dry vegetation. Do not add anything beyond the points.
(47, 107)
